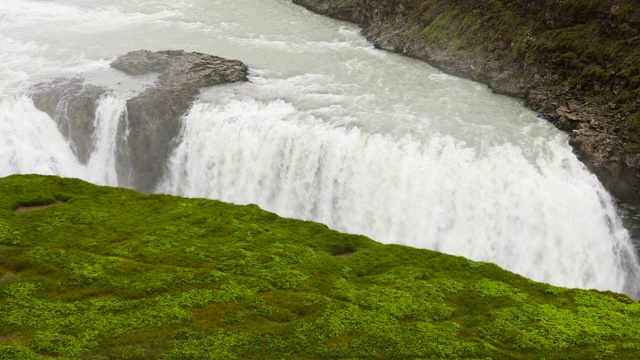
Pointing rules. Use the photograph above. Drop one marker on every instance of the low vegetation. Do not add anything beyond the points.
(108, 273)
(589, 46)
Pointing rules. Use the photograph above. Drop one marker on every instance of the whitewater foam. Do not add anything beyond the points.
(439, 195)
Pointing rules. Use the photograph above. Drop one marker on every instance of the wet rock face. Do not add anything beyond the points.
(180, 69)
(154, 117)
(72, 104)
(339, 9)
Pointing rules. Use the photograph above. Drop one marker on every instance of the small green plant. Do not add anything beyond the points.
(89, 218)
(50, 226)
(486, 287)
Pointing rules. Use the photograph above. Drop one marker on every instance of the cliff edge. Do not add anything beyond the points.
(575, 62)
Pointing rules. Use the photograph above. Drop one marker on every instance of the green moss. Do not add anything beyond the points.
(15, 351)
(633, 121)
(486, 287)
(585, 45)
(120, 275)
(439, 30)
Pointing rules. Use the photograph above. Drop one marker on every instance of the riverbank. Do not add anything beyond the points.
(574, 62)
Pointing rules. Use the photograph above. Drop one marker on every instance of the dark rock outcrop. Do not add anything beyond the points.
(146, 139)
(72, 105)
(571, 61)
(155, 115)
(338, 9)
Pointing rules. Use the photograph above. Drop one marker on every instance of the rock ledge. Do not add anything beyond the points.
(154, 117)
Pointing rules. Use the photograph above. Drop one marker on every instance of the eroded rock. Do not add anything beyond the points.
(339, 9)
(146, 140)
(155, 114)
(72, 104)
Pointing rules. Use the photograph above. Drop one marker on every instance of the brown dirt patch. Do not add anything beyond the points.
(344, 254)
(9, 276)
(24, 209)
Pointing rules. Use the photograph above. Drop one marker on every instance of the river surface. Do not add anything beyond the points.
(328, 129)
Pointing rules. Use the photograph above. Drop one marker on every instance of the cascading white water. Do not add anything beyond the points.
(329, 129)
(31, 142)
(439, 194)
(101, 168)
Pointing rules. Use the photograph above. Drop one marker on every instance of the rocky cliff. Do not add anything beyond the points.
(153, 116)
(574, 61)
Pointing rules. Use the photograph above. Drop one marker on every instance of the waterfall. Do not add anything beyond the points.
(547, 219)
(102, 167)
(328, 129)
(31, 142)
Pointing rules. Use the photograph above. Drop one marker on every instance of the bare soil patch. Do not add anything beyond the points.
(24, 209)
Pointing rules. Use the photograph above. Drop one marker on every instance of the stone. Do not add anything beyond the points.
(154, 117)
(8, 276)
(155, 114)
(72, 105)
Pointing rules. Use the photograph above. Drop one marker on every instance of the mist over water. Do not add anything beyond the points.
(329, 129)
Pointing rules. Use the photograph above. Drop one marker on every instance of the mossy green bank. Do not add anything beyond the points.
(591, 47)
(109, 273)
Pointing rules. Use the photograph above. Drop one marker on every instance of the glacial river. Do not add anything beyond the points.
(328, 129)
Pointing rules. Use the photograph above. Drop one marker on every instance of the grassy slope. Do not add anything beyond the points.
(115, 274)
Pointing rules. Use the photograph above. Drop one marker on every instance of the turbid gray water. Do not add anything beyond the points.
(329, 129)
